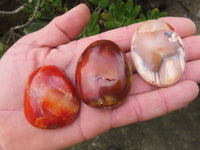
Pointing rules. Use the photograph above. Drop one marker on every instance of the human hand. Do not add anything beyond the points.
(53, 45)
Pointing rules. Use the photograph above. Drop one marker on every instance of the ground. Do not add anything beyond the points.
(179, 130)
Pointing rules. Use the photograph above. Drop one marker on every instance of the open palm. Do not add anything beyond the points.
(53, 45)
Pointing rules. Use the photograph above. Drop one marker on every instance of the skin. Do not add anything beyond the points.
(54, 45)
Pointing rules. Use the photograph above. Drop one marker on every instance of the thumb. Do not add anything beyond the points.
(63, 28)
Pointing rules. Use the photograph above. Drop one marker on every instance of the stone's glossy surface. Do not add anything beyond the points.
(50, 98)
(158, 53)
(103, 75)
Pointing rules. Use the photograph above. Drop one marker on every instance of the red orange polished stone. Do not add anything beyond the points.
(50, 98)
(103, 75)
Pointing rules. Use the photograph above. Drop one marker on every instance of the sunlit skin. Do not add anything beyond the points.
(103, 75)
(50, 100)
(55, 45)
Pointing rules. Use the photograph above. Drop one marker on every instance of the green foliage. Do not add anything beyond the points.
(48, 10)
(36, 25)
(122, 14)
(117, 13)
(102, 3)
(1, 50)
(6, 36)
(155, 14)
(92, 28)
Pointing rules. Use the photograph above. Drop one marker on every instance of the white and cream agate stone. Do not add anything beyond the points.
(158, 53)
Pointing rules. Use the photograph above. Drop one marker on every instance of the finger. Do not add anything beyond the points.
(122, 36)
(192, 47)
(154, 104)
(183, 26)
(192, 71)
(63, 28)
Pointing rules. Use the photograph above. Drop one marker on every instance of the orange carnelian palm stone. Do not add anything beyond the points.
(103, 75)
(50, 98)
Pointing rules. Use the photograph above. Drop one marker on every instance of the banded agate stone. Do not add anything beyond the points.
(158, 53)
(50, 99)
(103, 75)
